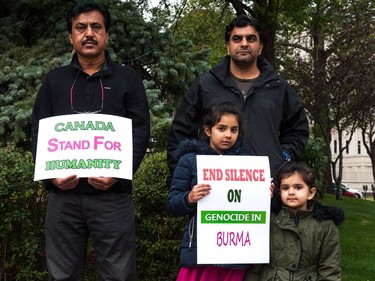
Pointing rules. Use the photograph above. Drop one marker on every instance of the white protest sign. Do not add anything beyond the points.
(87, 145)
(233, 220)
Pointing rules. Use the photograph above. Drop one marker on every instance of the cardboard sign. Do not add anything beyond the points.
(85, 145)
(233, 220)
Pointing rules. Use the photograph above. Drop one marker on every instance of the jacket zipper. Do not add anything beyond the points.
(191, 230)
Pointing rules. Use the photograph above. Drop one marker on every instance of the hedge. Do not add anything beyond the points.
(22, 213)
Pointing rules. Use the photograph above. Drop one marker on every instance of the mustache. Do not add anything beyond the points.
(89, 41)
(245, 49)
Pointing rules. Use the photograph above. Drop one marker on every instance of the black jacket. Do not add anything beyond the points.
(274, 117)
(124, 95)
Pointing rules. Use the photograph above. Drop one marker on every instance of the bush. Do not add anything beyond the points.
(22, 214)
(22, 211)
(158, 234)
(315, 159)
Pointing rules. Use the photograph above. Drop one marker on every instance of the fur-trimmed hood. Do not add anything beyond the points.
(334, 213)
(304, 246)
(319, 211)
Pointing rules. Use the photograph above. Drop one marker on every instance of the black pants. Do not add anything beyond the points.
(108, 217)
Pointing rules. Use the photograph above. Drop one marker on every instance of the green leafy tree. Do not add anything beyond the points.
(167, 65)
(367, 113)
(209, 18)
(203, 22)
(323, 52)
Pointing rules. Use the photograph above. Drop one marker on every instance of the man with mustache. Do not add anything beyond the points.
(275, 123)
(100, 207)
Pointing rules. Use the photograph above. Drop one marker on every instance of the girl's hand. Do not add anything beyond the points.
(198, 192)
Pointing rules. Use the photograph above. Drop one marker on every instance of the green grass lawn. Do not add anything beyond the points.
(357, 236)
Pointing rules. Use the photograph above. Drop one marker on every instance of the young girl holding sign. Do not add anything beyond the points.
(304, 236)
(221, 128)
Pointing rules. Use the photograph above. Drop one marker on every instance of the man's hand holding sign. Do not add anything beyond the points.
(95, 146)
(102, 183)
(66, 183)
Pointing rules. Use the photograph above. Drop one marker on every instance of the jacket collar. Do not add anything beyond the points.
(105, 71)
(221, 71)
(318, 212)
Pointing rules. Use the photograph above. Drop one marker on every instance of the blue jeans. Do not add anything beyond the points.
(108, 218)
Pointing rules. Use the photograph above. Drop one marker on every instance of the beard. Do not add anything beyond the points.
(244, 58)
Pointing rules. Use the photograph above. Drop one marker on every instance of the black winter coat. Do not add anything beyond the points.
(274, 117)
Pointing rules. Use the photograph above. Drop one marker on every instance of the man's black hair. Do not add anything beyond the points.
(80, 8)
(243, 21)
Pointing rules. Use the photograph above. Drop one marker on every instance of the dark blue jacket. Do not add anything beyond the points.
(184, 178)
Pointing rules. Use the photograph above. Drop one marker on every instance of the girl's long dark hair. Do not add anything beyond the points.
(213, 116)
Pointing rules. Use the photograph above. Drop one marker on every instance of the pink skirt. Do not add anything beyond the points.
(210, 273)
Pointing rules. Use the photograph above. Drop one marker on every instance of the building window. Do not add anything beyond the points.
(335, 146)
(359, 147)
(347, 147)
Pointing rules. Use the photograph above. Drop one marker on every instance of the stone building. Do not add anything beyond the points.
(357, 169)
